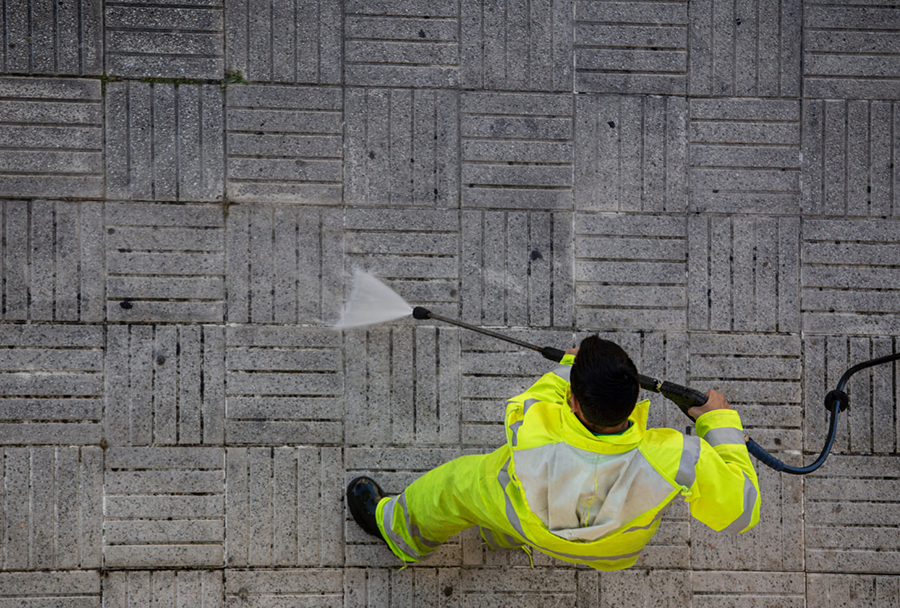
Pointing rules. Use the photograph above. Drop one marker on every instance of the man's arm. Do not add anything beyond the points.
(725, 495)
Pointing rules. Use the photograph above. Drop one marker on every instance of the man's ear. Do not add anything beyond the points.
(573, 404)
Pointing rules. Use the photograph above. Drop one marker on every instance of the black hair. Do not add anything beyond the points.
(604, 381)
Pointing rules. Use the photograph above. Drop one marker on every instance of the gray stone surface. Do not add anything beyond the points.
(851, 165)
(164, 142)
(395, 44)
(850, 52)
(849, 276)
(56, 40)
(284, 41)
(852, 590)
(284, 263)
(516, 150)
(51, 138)
(164, 508)
(186, 188)
(163, 589)
(165, 385)
(402, 147)
(165, 40)
(402, 386)
(63, 589)
(284, 385)
(745, 49)
(515, 263)
(743, 273)
(852, 516)
(51, 381)
(284, 144)
(513, 45)
(284, 507)
(415, 252)
(52, 261)
(50, 509)
(631, 47)
(630, 153)
(165, 262)
(745, 156)
(630, 271)
(746, 589)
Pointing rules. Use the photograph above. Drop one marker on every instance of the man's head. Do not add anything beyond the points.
(605, 382)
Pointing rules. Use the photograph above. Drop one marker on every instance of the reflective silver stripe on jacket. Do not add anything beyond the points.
(504, 479)
(514, 427)
(528, 403)
(413, 529)
(690, 454)
(388, 518)
(724, 436)
(749, 502)
(563, 371)
(488, 536)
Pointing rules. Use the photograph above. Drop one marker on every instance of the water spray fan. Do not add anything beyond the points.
(372, 302)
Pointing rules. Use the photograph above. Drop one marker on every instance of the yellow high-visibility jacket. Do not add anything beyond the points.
(598, 499)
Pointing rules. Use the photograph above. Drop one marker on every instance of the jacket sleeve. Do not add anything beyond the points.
(725, 494)
(552, 387)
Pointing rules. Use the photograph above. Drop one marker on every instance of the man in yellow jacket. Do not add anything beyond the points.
(581, 477)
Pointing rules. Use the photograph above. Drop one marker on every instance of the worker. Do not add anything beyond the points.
(581, 478)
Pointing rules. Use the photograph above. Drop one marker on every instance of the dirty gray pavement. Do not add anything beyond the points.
(185, 188)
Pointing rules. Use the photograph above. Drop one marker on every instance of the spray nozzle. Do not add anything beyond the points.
(421, 313)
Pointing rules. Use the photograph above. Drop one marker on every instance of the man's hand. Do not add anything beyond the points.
(714, 401)
(572, 351)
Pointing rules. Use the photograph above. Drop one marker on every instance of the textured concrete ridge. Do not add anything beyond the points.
(185, 188)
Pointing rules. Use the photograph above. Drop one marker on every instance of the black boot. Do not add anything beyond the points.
(363, 495)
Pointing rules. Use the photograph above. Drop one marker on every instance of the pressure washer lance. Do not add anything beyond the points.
(685, 398)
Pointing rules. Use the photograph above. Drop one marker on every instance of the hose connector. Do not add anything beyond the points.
(835, 397)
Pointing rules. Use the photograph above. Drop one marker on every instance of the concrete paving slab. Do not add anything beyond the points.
(64, 589)
(848, 51)
(174, 41)
(745, 156)
(51, 134)
(401, 147)
(630, 153)
(283, 263)
(741, 51)
(376, 53)
(164, 385)
(837, 291)
(164, 142)
(631, 48)
(630, 271)
(743, 273)
(284, 507)
(849, 167)
(284, 144)
(516, 150)
(60, 524)
(515, 263)
(284, 41)
(165, 262)
(284, 385)
(416, 401)
(516, 46)
(63, 40)
(149, 519)
(166, 589)
(59, 277)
